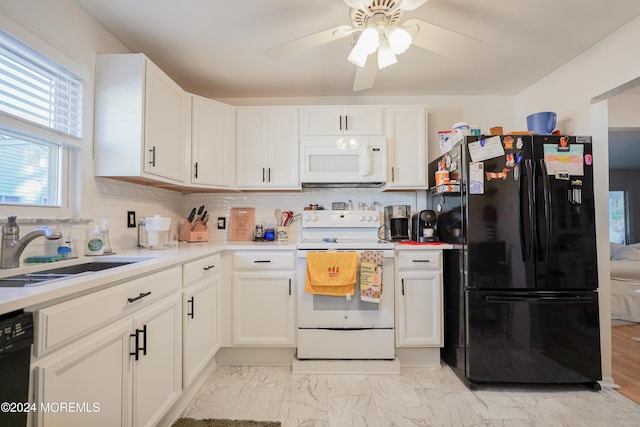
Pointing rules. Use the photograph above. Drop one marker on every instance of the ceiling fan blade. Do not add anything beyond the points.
(439, 40)
(365, 76)
(412, 4)
(307, 42)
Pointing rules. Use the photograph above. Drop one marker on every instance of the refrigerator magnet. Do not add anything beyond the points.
(588, 159)
(476, 178)
(511, 162)
(508, 142)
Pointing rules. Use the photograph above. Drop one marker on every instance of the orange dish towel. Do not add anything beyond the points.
(331, 273)
(371, 276)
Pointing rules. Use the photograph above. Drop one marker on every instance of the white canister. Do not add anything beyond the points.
(460, 130)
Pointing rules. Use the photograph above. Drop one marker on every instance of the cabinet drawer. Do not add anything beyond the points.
(420, 260)
(263, 260)
(201, 268)
(63, 322)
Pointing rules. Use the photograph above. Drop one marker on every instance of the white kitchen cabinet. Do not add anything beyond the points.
(263, 299)
(212, 143)
(95, 371)
(200, 315)
(157, 373)
(126, 358)
(419, 310)
(406, 131)
(267, 148)
(141, 121)
(342, 120)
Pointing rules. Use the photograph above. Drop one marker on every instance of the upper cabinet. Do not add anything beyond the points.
(212, 138)
(342, 120)
(267, 148)
(406, 131)
(141, 121)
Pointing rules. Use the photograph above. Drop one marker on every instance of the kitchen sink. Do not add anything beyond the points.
(46, 276)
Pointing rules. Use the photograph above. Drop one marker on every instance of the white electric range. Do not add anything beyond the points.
(332, 327)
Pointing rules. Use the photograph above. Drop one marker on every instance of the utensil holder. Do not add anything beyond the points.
(196, 232)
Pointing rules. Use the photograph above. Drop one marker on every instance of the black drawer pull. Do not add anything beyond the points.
(190, 303)
(262, 261)
(142, 295)
(137, 347)
(421, 260)
(208, 267)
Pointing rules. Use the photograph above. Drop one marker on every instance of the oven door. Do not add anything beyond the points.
(323, 311)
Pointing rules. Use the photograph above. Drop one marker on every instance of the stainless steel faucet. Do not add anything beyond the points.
(13, 245)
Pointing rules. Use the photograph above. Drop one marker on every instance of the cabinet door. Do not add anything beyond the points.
(94, 371)
(200, 327)
(211, 143)
(251, 143)
(165, 125)
(157, 380)
(263, 309)
(283, 162)
(407, 148)
(322, 121)
(420, 309)
(362, 121)
(337, 120)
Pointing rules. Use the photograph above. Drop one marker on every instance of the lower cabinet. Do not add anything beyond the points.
(263, 295)
(419, 316)
(200, 326)
(128, 373)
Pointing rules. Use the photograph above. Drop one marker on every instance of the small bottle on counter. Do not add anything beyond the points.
(95, 243)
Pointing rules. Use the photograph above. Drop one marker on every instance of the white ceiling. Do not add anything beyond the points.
(214, 47)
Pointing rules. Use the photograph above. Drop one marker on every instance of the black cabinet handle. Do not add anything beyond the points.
(190, 303)
(142, 295)
(137, 347)
(262, 174)
(346, 122)
(268, 174)
(421, 260)
(153, 156)
(208, 267)
(289, 286)
(196, 170)
(393, 174)
(402, 283)
(262, 261)
(340, 122)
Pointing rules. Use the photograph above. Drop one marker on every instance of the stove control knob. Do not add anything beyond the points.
(362, 218)
(314, 217)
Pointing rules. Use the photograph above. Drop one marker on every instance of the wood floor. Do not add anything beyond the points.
(626, 360)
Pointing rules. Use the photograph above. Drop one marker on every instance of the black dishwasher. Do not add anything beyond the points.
(16, 337)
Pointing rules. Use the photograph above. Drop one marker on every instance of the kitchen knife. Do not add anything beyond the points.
(200, 211)
(192, 215)
(205, 213)
(205, 218)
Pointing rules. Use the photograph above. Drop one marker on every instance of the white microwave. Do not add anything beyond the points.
(343, 160)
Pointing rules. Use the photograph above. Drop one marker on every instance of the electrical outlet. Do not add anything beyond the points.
(131, 219)
(221, 223)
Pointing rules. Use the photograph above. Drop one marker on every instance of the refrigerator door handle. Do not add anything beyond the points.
(527, 205)
(546, 188)
(504, 299)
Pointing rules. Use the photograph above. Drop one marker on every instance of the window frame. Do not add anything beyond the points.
(71, 154)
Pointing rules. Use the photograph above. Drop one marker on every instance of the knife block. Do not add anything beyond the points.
(196, 232)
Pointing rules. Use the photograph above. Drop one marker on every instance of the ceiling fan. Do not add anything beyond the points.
(379, 22)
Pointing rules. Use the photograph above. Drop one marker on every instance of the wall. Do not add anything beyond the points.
(578, 91)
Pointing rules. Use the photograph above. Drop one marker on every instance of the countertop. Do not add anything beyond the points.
(147, 261)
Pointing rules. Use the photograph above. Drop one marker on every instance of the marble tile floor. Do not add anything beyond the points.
(416, 397)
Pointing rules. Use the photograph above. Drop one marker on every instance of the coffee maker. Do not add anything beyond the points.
(396, 222)
(423, 226)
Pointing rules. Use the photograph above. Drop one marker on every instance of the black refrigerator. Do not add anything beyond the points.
(521, 284)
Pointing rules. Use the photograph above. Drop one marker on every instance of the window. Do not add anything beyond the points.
(617, 217)
(40, 120)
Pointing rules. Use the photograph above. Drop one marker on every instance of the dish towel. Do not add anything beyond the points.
(371, 276)
(331, 273)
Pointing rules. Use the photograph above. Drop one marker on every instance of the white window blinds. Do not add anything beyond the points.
(36, 89)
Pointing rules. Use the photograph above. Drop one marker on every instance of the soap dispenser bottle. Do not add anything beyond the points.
(95, 243)
(105, 235)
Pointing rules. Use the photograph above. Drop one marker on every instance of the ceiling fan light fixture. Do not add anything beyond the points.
(386, 56)
(399, 39)
(358, 56)
(368, 40)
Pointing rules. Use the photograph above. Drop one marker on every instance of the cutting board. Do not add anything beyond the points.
(242, 223)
